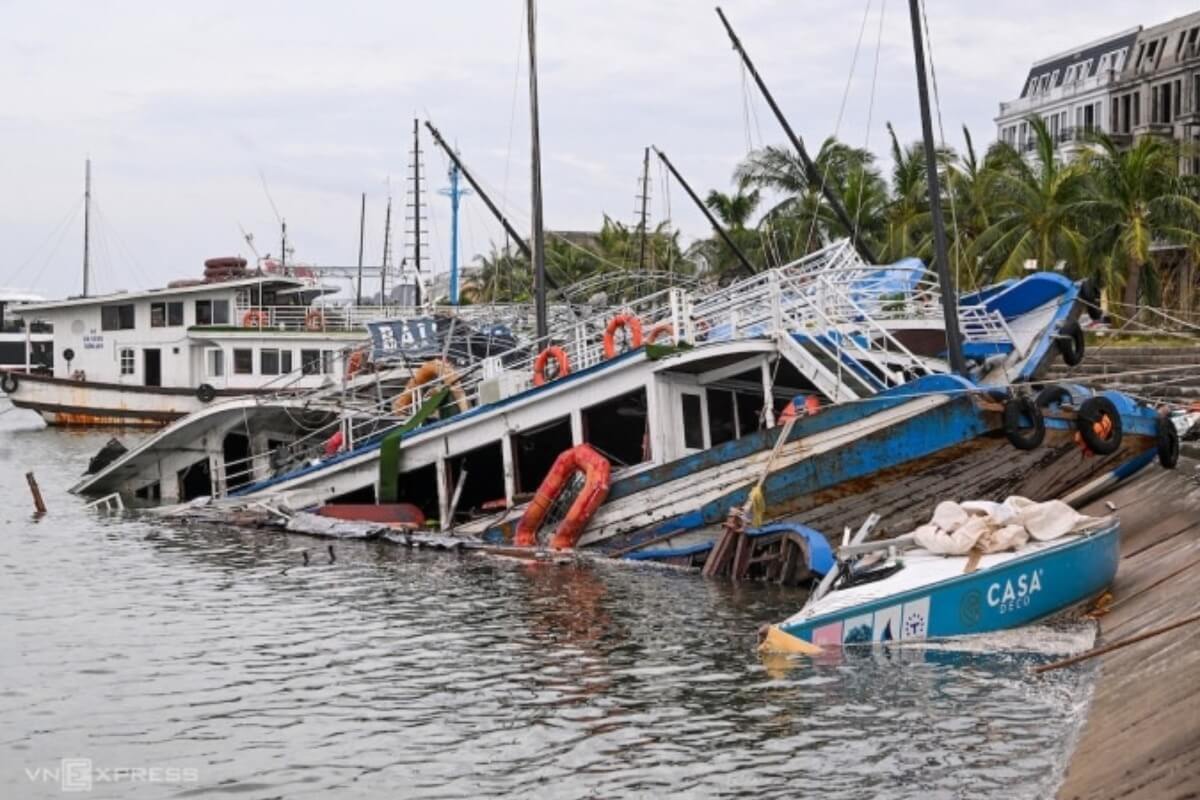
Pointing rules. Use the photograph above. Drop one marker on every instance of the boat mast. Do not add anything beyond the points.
(387, 243)
(737, 251)
(810, 169)
(537, 238)
(416, 207)
(645, 196)
(362, 230)
(455, 192)
(87, 221)
(942, 262)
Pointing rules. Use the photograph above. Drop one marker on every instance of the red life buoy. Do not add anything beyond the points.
(812, 405)
(596, 470)
(660, 330)
(254, 318)
(630, 323)
(314, 320)
(539, 365)
(434, 369)
(334, 443)
(354, 364)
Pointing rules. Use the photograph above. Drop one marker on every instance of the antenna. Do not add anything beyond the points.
(87, 221)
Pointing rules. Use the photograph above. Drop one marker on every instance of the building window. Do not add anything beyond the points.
(127, 361)
(243, 361)
(215, 363)
(274, 362)
(212, 312)
(163, 315)
(117, 318)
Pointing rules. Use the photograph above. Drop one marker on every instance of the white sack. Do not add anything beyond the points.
(958, 528)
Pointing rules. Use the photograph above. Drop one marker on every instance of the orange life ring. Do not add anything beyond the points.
(254, 318)
(355, 363)
(661, 329)
(596, 470)
(543, 358)
(629, 321)
(314, 320)
(334, 443)
(812, 405)
(430, 370)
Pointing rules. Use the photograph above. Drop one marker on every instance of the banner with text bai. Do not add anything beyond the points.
(412, 338)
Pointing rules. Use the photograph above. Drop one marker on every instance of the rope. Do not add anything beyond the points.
(1117, 645)
(862, 186)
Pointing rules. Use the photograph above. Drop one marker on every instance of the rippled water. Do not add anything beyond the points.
(388, 673)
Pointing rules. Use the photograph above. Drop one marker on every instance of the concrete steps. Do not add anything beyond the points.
(1169, 373)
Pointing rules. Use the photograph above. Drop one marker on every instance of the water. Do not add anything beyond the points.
(216, 658)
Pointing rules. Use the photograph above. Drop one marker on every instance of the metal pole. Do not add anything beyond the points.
(362, 230)
(282, 247)
(417, 208)
(645, 194)
(942, 262)
(538, 241)
(87, 220)
(750, 270)
(387, 235)
(454, 197)
(810, 169)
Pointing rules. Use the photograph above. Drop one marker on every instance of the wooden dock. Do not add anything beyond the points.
(1142, 734)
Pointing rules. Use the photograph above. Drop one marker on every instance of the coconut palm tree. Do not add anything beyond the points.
(1134, 199)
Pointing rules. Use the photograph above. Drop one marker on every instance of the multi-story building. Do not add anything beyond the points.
(1070, 91)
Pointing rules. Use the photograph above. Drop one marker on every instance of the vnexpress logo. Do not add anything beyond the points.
(75, 774)
(81, 774)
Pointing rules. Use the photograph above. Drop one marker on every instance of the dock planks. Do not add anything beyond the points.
(1142, 734)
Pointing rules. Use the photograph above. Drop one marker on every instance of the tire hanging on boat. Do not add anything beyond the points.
(543, 358)
(1072, 346)
(1053, 394)
(1099, 425)
(1017, 408)
(205, 393)
(9, 382)
(1167, 443)
(430, 370)
(630, 323)
(596, 470)
(1089, 293)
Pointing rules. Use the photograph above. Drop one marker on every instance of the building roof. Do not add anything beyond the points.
(1089, 52)
(166, 292)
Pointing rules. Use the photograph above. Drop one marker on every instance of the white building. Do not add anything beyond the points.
(1070, 91)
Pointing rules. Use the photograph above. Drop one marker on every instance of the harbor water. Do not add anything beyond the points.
(213, 662)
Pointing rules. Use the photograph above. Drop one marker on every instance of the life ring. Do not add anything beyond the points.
(630, 323)
(1099, 426)
(1167, 443)
(433, 369)
(225, 262)
(1015, 409)
(702, 328)
(314, 320)
(254, 318)
(660, 330)
(1053, 394)
(9, 382)
(812, 405)
(543, 358)
(596, 471)
(355, 362)
(334, 443)
(1089, 295)
(1070, 343)
(205, 393)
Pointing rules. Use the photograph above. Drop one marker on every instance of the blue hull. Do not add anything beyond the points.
(1019, 591)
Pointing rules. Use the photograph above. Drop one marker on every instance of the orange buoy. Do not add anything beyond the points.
(596, 471)
(433, 369)
(660, 330)
(314, 320)
(355, 363)
(630, 323)
(334, 443)
(812, 405)
(543, 358)
(254, 318)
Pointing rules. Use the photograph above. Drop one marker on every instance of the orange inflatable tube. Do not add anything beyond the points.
(596, 470)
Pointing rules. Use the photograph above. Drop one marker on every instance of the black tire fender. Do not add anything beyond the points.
(9, 382)
(1053, 394)
(1089, 295)
(1167, 443)
(1070, 343)
(205, 393)
(1090, 413)
(1019, 437)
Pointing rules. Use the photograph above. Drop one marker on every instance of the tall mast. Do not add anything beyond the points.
(942, 262)
(387, 243)
(87, 221)
(283, 246)
(810, 169)
(416, 207)
(645, 195)
(455, 192)
(362, 230)
(737, 251)
(537, 238)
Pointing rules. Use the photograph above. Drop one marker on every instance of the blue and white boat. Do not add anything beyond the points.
(923, 595)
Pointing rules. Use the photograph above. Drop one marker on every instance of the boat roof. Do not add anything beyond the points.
(19, 296)
(37, 303)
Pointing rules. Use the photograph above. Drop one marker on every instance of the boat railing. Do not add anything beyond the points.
(338, 317)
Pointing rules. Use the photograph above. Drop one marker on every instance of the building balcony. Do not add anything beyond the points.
(1023, 105)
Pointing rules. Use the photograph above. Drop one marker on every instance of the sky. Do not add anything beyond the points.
(205, 121)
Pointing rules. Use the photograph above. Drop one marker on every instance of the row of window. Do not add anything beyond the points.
(167, 314)
(271, 361)
(1040, 84)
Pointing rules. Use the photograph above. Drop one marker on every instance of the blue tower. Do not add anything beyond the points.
(455, 192)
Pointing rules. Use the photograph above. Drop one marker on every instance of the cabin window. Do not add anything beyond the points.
(327, 362)
(310, 362)
(534, 452)
(275, 362)
(693, 431)
(617, 428)
(749, 412)
(163, 315)
(212, 312)
(722, 416)
(484, 481)
(117, 317)
(127, 361)
(243, 361)
(215, 363)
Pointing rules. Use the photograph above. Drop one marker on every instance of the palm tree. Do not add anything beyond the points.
(971, 210)
(1037, 208)
(1134, 199)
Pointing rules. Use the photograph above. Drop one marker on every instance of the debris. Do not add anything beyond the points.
(38, 503)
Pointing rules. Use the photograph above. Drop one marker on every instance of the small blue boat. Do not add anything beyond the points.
(922, 595)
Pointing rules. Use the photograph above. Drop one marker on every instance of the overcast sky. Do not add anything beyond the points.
(186, 110)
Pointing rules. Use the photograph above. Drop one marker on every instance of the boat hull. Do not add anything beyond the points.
(1007, 593)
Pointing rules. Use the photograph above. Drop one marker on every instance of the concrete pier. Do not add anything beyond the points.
(1142, 734)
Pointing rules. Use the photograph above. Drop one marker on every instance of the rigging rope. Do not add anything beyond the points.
(870, 115)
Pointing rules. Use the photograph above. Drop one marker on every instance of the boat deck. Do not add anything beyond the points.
(1142, 734)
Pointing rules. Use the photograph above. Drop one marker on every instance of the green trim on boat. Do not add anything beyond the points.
(389, 447)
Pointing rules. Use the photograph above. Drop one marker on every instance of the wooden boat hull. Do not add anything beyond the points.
(1006, 591)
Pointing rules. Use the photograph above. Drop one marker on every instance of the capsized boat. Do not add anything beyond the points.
(896, 590)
